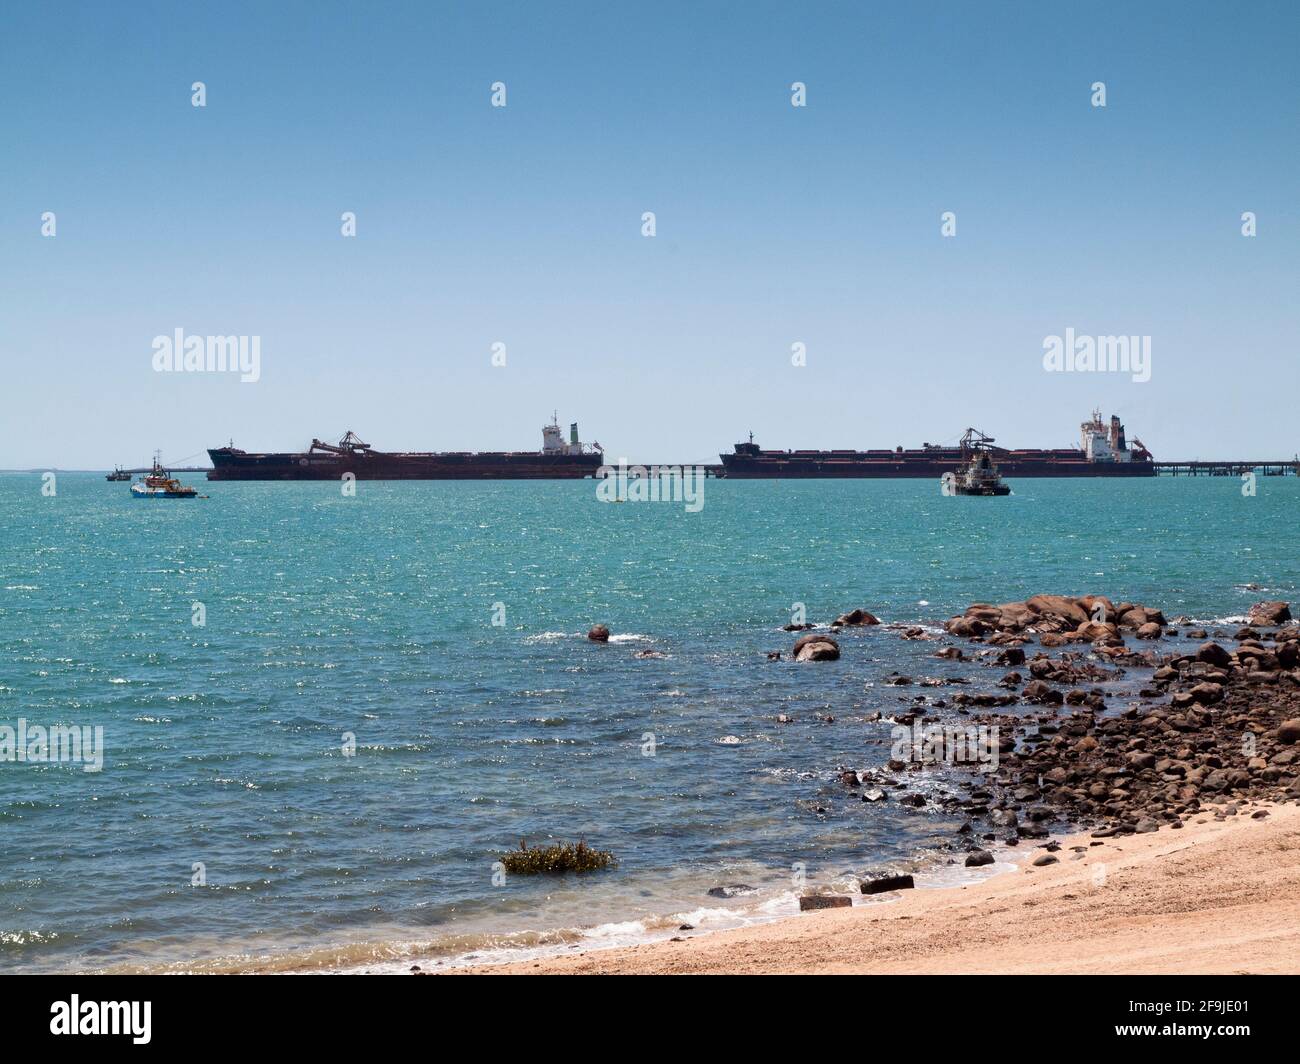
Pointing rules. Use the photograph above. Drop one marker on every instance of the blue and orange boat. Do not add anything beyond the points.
(158, 485)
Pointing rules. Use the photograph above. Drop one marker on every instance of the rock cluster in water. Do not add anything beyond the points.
(1216, 726)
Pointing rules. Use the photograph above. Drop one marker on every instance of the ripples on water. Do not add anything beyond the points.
(372, 616)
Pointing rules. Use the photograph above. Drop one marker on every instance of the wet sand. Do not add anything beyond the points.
(1217, 896)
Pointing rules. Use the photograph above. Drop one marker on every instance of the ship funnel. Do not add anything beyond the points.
(573, 433)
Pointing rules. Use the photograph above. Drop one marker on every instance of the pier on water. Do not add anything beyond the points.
(1226, 469)
(172, 469)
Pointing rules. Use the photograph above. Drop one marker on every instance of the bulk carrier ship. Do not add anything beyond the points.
(557, 460)
(1104, 453)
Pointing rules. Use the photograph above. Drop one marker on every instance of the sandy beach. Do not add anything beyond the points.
(1218, 896)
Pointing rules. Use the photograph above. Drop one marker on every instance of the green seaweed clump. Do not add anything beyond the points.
(555, 859)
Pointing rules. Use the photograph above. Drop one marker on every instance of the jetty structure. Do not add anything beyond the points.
(1233, 468)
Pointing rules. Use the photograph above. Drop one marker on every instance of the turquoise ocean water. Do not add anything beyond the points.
(373, 616)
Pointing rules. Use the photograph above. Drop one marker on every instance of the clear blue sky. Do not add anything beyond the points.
(522, 224)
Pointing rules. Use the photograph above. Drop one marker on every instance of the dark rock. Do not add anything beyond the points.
(733, 890)
(1038, 691)
(978, 859)
(1268, 613)
(824, 901)
(887, 883)
(598, 633)
(816, 647)
(1213, 654)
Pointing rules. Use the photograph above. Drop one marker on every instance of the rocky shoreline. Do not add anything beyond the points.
(1214, 727)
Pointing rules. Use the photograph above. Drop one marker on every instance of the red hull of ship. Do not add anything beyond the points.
(922, 464)
(230, 464)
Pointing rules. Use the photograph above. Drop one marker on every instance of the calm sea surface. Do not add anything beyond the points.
(373, 616)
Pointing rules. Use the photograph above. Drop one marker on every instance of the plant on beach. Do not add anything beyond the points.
(557, 858)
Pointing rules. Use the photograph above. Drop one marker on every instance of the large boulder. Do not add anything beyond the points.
(815, 647)
(1014, 616)
(598, 633)
(966, 627)
(1213, 654)
(1136, 616)
(1269, 613)
(1093, 630)
(1061, 606)
(1098, 606)
(855, 618)
(1288, 734)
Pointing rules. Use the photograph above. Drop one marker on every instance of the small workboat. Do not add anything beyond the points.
(118, 474)
(158, 485)
(977, 475)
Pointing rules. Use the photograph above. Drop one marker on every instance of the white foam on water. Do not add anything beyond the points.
(547, 637)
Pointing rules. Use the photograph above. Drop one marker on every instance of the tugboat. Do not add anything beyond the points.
(977, 475)
(158, 485)
(118, 474)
